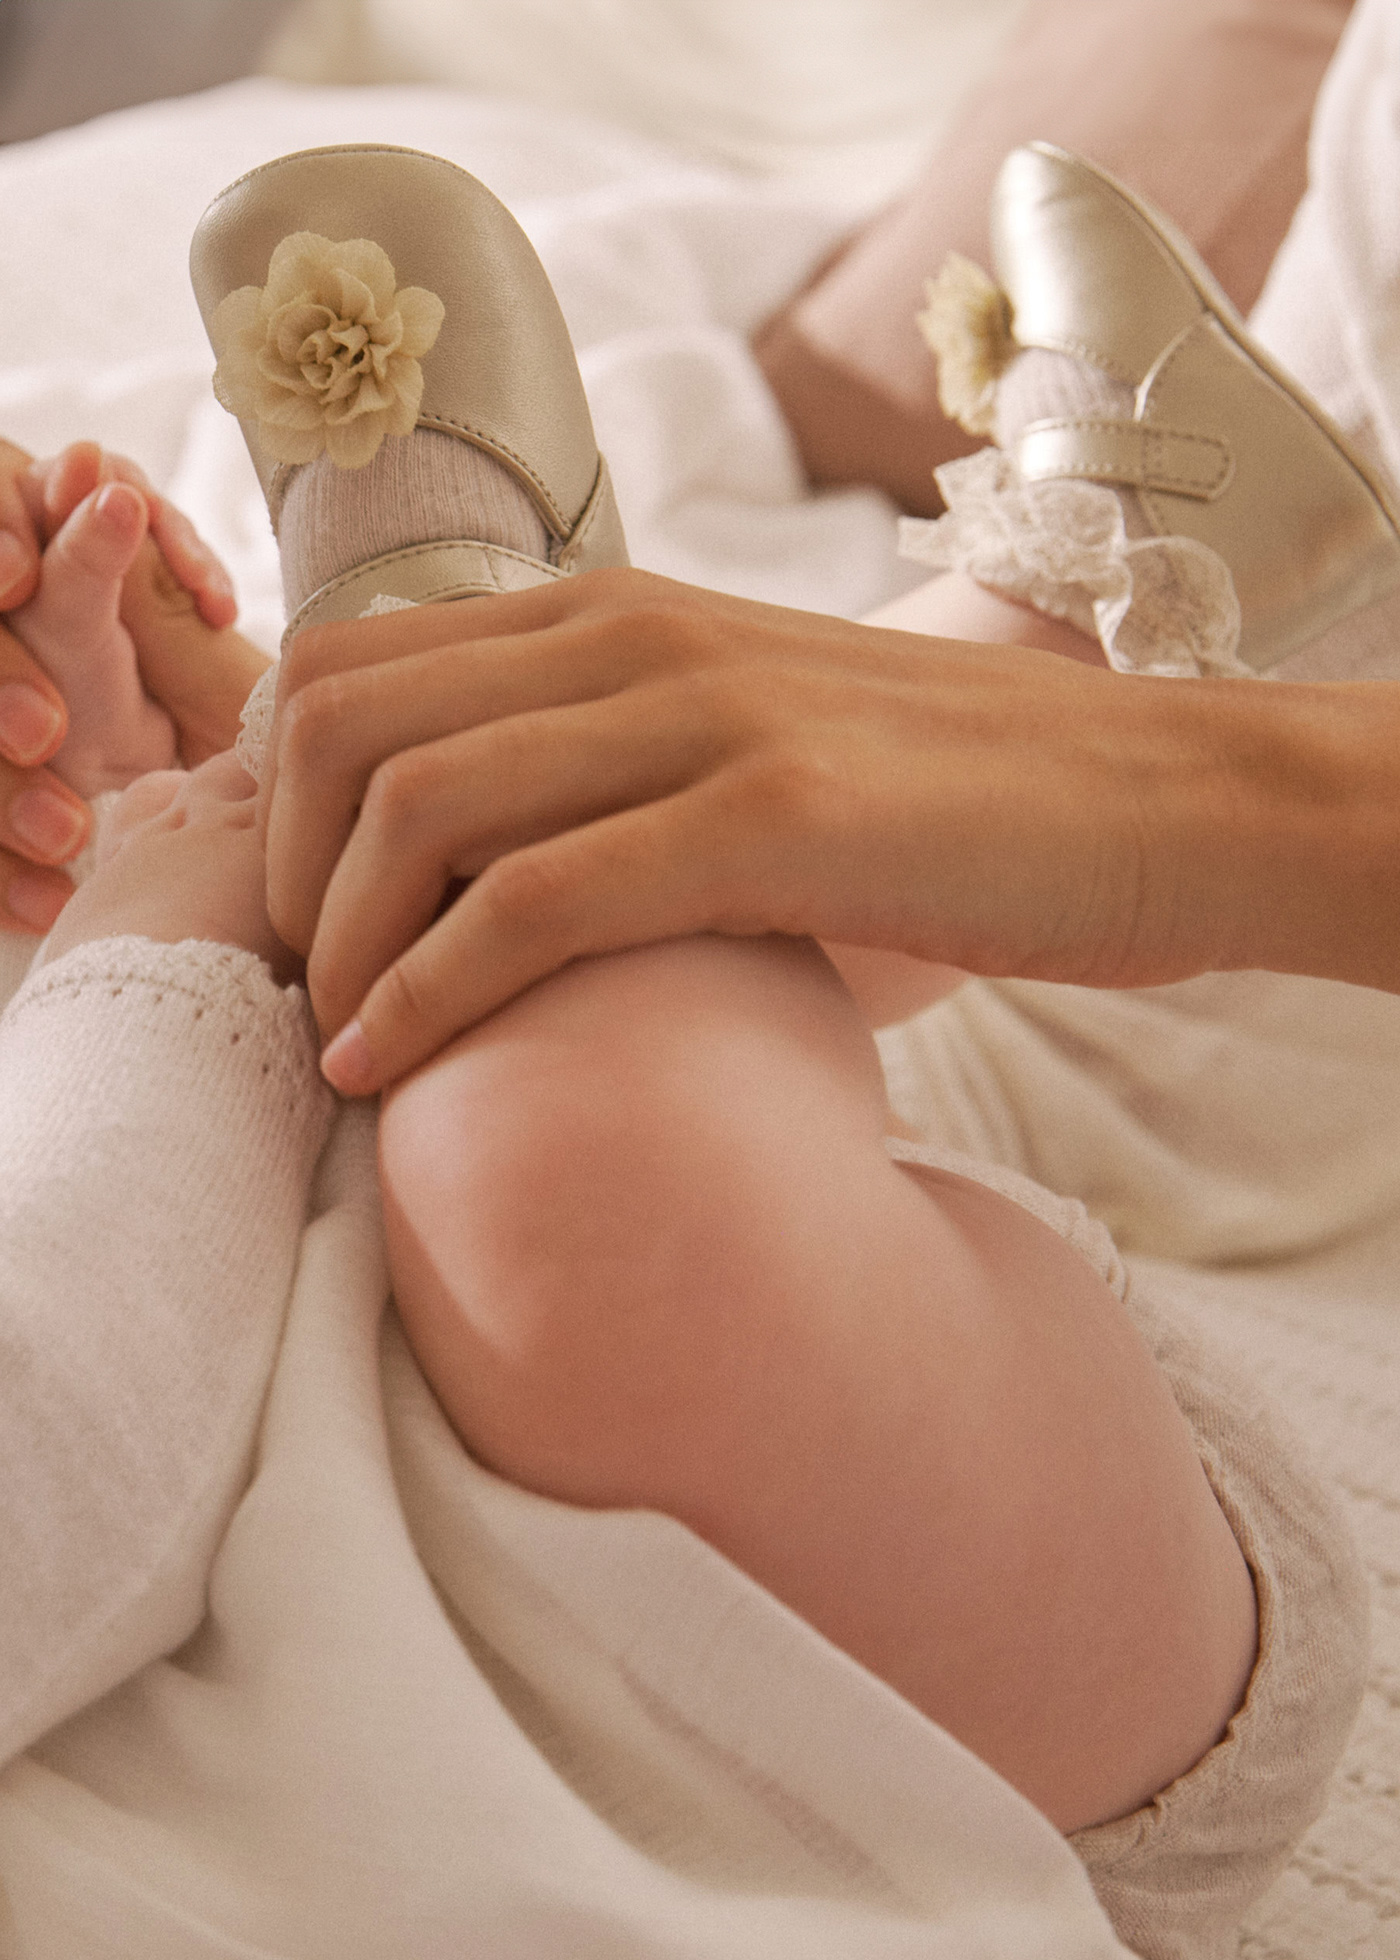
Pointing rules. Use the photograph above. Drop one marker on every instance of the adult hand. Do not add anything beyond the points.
(42, 822)
(178, 606)
(620, 759)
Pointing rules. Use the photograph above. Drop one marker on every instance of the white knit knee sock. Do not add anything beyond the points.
(418, 488)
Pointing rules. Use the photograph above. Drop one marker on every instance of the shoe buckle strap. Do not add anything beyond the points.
(421, 575)
(1130, 454)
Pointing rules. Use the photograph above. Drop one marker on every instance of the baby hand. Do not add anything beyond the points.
(179, 857)
(73, 628)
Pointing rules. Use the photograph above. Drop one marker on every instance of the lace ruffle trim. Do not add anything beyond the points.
(1163, 606)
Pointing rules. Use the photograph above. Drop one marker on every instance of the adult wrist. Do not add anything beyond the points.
(1286, 827)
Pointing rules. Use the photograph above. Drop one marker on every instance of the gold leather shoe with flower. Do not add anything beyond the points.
(354, 294)
(1222, 446)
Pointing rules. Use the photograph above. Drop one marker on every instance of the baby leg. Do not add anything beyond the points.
(650, 1250)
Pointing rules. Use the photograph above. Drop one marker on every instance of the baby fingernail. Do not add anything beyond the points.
(47, 823)
(118, 508)
(29, 722)
(15, 561)
(36, 898)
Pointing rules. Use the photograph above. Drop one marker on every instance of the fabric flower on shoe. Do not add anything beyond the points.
(966, 324)
(326, 355)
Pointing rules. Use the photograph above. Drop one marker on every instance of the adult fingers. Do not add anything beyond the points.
(41, 820)
(462, 630)
(425, 822)
(533, 769)
(33, 716)
(19, 542)
(352, 695)
(42, 823)
(631, 879)
(31, 895)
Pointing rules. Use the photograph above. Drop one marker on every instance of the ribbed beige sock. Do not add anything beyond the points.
(418, 489)
(1040, 385)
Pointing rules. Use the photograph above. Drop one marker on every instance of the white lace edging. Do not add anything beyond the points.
(256, 718)
(1163, 606)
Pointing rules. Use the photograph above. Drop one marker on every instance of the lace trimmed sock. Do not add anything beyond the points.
(418, 489)
(1076, 550)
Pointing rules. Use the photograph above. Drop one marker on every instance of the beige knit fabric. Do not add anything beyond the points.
(1177, 1876)
(417, 489)
(1249, 1123)
(111, 1519)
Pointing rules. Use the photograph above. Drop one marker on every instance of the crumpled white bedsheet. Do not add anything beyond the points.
(662, 267)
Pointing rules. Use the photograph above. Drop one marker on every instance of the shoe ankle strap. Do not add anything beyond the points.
(1131, 455)
(421, 575)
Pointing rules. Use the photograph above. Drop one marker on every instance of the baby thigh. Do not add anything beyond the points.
(650, 1251)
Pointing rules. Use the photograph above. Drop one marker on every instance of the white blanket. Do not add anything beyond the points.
(662, 267)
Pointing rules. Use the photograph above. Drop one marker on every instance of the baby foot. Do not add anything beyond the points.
(73, 628)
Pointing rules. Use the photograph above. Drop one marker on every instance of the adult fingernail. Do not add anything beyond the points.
(347, 1063)
(15, 561)
(35, 898)
(47, 823)
(30, 722)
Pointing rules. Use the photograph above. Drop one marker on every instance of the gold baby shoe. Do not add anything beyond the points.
(356, 293)
(1222, 446)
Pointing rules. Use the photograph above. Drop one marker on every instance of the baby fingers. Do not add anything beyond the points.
(57, 486)
(73, 629)
(79, 596)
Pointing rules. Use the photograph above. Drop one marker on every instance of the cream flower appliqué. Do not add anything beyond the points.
(326, 355)
(966, 322)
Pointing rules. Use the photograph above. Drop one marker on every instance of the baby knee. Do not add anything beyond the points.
(596, 1199)
(565, 1243)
